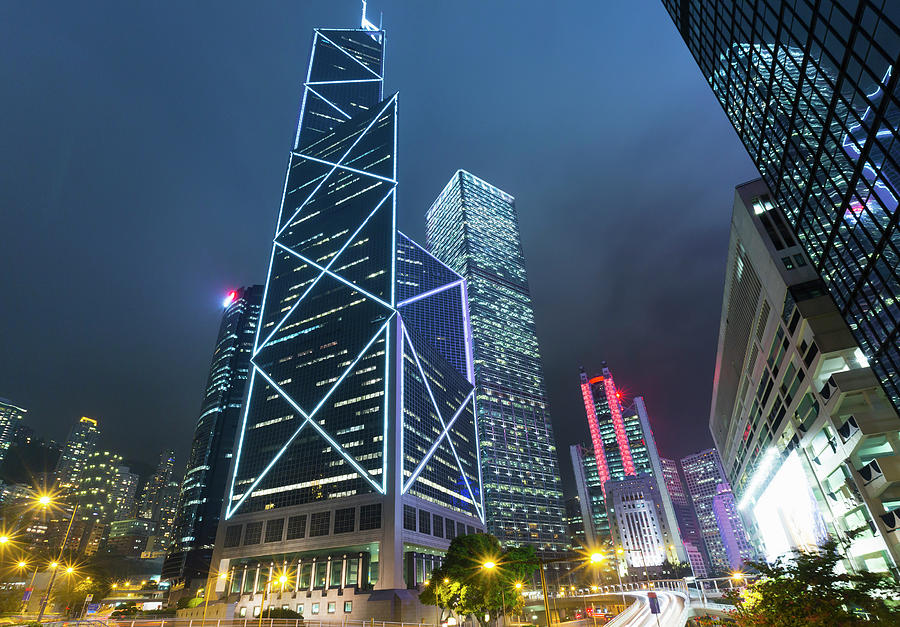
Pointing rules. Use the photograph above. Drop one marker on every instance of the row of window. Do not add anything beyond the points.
(314, 608)
(304, 525)
(433, 524)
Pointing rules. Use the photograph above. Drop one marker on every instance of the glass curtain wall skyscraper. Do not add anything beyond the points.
(473, 227)
(203, 487)
(812, 90)
(356, 461)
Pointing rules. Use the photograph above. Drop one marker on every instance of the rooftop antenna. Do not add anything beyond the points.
(365, 23)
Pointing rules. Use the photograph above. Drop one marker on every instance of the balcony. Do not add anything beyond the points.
(880, 474)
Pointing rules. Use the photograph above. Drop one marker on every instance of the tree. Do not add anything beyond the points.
(807, 590)
(464, 587)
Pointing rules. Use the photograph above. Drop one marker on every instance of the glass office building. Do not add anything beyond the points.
(357, 460)
(473, 227)
(811, 89)
(203, 487)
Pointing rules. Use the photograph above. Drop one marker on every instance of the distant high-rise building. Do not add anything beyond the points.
(803, 428)
(623, 436)
(687, 519)
(638, 524)
(591, 500)
(575, 524)
(356, 461)
(129, 537)
(79, 445)
(126, 489)
(98, 487)
(473, 227)
(812, 90)
(203, 487)
(703, 474)
(148, 507)
(731, 527)
(11, 417)
(166, 510)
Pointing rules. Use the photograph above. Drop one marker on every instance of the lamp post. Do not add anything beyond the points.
(222, 576)
(62, 548)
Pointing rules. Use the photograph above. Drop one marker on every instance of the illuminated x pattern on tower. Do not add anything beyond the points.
(355, 360)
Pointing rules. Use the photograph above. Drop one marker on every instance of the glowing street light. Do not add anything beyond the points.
(4, 539)
(596, 558)
(69, 570)
(44, 500)
(489, 565)
(518, 585)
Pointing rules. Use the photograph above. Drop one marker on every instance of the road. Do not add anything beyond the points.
(671, 606)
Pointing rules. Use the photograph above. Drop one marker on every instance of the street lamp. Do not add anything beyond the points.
(222, 577)
(489, 566)
(62, 548)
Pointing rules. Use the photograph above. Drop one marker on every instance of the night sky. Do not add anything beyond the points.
(144, 150)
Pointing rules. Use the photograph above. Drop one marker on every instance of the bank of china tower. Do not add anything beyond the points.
(357, 459)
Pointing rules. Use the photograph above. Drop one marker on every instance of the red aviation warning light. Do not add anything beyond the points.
(232, 295)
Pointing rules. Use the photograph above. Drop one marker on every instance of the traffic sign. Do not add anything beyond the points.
(92, 608)
(27, 594)
(654, 602)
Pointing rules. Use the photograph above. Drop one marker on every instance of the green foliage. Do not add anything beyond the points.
(10, 601)
(70, 591)
(806, 590)
(280, 612)
(462, 586)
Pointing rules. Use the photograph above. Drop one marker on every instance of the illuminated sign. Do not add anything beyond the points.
(232, 295)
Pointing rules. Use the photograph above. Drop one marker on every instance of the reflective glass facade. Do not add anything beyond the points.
(203, 488)
(473, 228)
(357, 458)
(811, 88)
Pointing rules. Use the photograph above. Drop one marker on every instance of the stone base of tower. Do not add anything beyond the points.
(326, 605)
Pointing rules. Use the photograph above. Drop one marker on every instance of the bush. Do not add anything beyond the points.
(278, 612)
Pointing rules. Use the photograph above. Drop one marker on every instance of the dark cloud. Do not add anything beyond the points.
(144, 154)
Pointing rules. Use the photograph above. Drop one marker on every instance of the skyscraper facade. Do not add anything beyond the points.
(637, 522)
(805, 433)
(11, 417)
(203, 487)
(97, 488)
(811, 89)
(356, 460)
(685, 516)
(165, 469)
(731, 528)
(473, 227)
(703, 474)
(590, 495)
(79, 445)
(623, 447)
